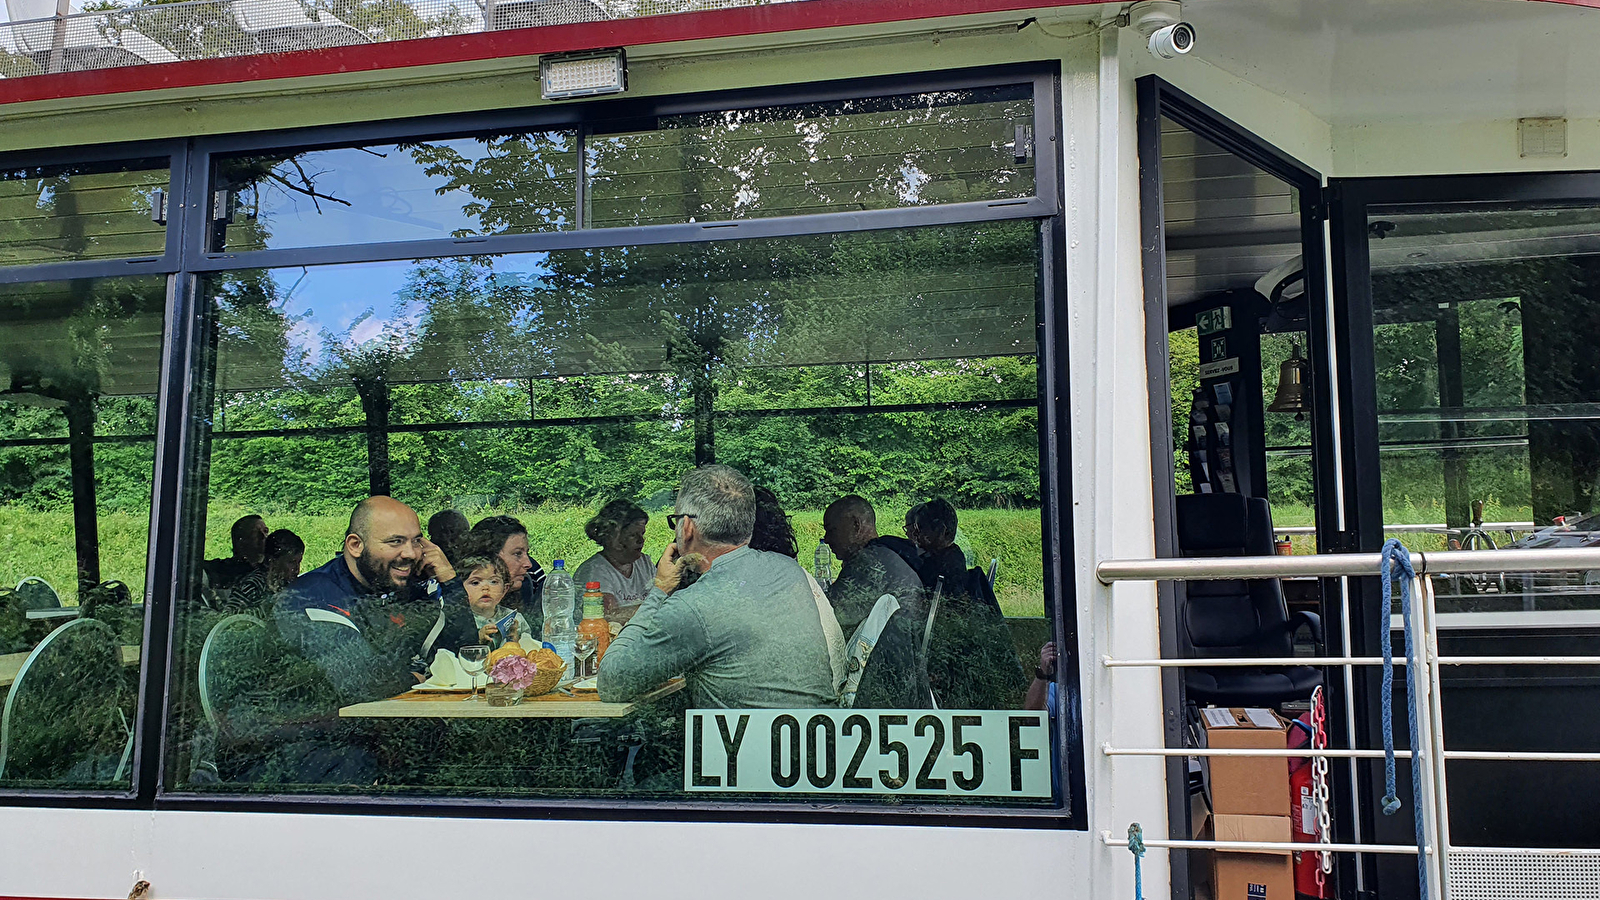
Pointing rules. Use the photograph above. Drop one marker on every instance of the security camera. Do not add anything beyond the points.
(1172, 41)
(1161, 23)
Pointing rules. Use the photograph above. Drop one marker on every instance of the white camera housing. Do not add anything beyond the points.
(1161, 23)
(1172, 41)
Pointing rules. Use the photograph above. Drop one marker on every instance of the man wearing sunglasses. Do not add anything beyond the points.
(745, 634)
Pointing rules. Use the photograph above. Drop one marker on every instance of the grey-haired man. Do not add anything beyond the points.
(746, 634)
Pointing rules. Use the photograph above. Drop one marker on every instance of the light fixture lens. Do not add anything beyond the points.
(587, 75)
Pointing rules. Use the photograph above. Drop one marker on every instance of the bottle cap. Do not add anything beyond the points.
(560, 564)
(591, 585)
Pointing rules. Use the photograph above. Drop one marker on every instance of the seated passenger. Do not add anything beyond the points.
(350, 616)
(484, 579)
(447, 528)
(281, 566)
(745, 634)
(773, 533)
(506, 538)
(870, 565)
(932, 527)
(623, 570)
(249, 536)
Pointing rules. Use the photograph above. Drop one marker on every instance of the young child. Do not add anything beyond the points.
(485, 584)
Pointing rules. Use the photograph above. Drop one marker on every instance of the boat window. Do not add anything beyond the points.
(1488, 390)
(79, 365)
(82, 211)
(860, 409)
(881, 153)
(455, 187)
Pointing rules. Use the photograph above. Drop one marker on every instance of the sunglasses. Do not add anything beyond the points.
(675, 518)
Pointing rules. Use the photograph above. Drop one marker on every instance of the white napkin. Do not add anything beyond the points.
(445, 670)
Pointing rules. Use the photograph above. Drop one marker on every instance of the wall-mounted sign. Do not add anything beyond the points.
(1214, 320)
(1219, 367)
(976, 753)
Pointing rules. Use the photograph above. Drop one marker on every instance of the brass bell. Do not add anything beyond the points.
(1291, 394)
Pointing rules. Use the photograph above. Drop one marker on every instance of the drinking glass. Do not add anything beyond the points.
(473, 659)
(583, 650)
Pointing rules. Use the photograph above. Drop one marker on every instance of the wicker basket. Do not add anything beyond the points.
(502, 694)
(548, 677)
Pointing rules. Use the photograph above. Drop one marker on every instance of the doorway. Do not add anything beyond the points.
(1244, 445)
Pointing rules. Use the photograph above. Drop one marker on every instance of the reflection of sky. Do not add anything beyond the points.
(367, 302)
(389, 197)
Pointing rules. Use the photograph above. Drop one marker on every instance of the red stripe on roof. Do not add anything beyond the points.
(797, 16)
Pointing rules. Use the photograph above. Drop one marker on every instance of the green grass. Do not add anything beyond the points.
(1401, 512)
(41, 543)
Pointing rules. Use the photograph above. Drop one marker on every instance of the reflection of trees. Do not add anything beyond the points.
(68, 344)
(77, 212)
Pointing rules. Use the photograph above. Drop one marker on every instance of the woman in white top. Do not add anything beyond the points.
(624, 572)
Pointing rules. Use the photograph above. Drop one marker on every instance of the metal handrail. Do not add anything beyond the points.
(1336, 565)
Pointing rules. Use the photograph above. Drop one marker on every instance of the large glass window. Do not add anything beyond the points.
(1487, 390)
(512, 183)
(80, 363)
(914, 150)
(79, 212)
(555, 401)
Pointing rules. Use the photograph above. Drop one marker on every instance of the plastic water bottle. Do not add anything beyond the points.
(823, 563)
(560, 594)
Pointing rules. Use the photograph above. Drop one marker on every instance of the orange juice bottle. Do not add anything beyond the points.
(594, 623)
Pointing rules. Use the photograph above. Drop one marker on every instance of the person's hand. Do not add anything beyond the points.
(435, 563)
(1047, 660)
(667, 569)
(487, 632)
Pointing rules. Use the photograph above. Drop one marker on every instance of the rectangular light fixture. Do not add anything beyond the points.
(567, 75)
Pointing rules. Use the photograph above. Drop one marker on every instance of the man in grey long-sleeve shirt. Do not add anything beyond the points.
(745, 635)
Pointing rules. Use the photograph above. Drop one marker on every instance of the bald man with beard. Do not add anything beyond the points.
(361, 616)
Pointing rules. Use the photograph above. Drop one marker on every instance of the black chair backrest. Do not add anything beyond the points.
(1231, 618)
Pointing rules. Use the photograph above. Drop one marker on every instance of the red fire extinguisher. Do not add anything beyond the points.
(1305, 806)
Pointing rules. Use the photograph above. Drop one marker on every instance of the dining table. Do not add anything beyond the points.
(460, 705)
(11, 663)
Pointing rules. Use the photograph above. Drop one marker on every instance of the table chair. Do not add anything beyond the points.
(82, 43)
(1238, 618)
(66, 717)
(36, 593)
(282, 26)
(500, 15)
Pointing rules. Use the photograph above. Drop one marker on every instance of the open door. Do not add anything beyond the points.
(1235, 265)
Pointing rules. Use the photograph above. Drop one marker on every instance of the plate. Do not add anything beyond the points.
(428, 688)
(592, 683)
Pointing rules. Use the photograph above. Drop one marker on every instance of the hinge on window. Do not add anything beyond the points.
(1022, 148)
(158, 206)
(1324, 202)
(222, 206)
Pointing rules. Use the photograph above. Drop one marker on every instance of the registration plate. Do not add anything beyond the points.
(977, 753)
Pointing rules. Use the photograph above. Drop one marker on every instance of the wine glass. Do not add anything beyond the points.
(583, 650)
(473, 659)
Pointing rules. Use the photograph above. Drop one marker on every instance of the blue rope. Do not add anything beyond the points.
(1394, 557)
(1136, 847)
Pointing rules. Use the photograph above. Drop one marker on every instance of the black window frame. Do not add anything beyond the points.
(187, 260)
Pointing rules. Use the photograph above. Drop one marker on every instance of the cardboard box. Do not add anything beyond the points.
(1245, 786)
(1251, 876)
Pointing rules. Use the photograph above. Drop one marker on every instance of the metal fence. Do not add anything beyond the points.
(209, 29)
(1454, 871)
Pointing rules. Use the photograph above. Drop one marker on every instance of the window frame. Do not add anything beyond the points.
(187, 260)
(176, 154)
